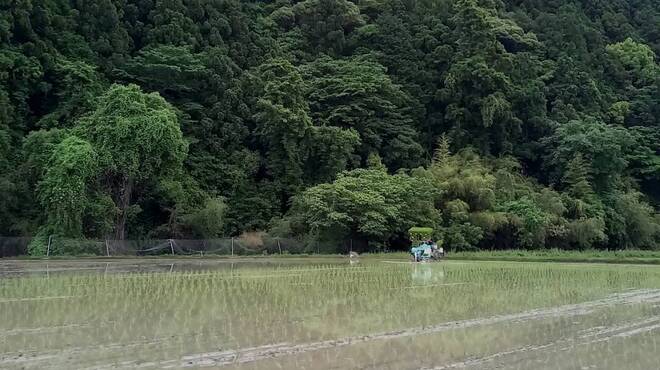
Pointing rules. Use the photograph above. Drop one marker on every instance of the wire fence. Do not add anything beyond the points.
(19, 246)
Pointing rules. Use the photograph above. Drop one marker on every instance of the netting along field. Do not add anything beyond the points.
(239, 246)
(327, 314)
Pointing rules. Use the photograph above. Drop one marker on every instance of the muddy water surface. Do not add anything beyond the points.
(327, 314)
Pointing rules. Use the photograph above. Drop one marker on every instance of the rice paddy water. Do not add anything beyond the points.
(327, 313)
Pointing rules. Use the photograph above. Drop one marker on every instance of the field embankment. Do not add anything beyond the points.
(647, 257)
(555, 255)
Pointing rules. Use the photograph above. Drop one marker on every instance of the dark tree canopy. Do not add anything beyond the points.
(501, 124)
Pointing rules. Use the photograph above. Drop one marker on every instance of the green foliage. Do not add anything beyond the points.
(631, 222)
(63, 190)
(442, 154)
(136, 135)
(529, 219)
(39, 244)
(418, 234)
(585, 233)
(645, 157)
(331, 152)
(129, 139)
(283, 124)
(637, 59)
(206, 118)
(357, 94)
(138, 140)
(78, 85)
(367, 203)
(326, 24)
(6, 182)
(492, 80)
(577, 178)
(618, 112)
(208, 222)
(605, 149)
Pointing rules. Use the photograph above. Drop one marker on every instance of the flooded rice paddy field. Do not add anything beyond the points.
(327, 313)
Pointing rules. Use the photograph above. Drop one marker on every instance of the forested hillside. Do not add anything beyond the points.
(499, 123)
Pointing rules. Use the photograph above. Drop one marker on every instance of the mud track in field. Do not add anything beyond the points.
(593, 336)
(271, 351)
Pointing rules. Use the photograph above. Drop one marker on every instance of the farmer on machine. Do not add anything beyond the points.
(424, 248)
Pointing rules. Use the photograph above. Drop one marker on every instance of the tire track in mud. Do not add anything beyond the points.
(246, 355)
(593, 336)
(49, 329)
(270, 351)
(34, 358)
(12, 300)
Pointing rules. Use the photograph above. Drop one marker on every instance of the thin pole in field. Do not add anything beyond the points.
(279, 246)
(232, 246)
(50, 237)
(107, 250)
(171, 246)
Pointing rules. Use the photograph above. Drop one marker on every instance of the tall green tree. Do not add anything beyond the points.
(325, 24)
(137, 138)
(357, 94)
(604, 147)
(366, 204)
(577, 177)
(130, 140)
(492, 80)
(283, 125)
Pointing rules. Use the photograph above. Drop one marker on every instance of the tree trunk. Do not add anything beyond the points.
(123, 202)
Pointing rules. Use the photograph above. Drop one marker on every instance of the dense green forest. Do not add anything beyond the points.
(499, 123)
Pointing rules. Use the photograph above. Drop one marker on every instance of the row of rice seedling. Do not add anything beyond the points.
(204, 310)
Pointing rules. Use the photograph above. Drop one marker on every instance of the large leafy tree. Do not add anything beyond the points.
(296, 151)
(638, 60)
(604, 147)
(283, 125)
(129, 141)
(492, 79)
(367, 204)
(357, 94)
(325, 24)
(138, 139)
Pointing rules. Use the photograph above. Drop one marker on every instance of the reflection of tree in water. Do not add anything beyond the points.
(424, 274)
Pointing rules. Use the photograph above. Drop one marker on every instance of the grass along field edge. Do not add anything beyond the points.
(515, 255)
(556, 255)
